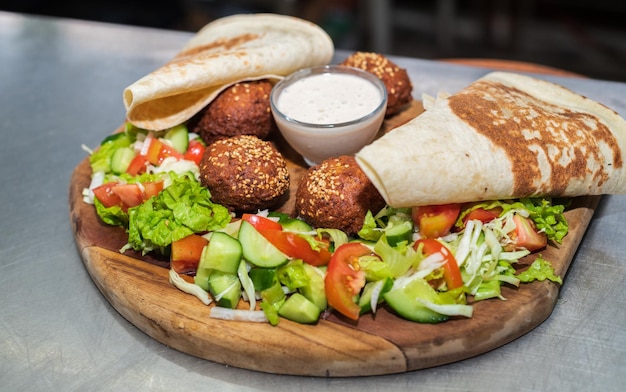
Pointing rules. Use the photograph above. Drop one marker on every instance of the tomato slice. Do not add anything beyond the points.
(137, 165)
(104, 193)
(526, 236)
(344, 278)
(194, 152)
(130, 194)
(151, 189)
(261, 223)
(295, 246)
(126, 195)
(186, 252)
(436, 220)
(483, 215)
(158, 151)
(291, 244)
(451, 271)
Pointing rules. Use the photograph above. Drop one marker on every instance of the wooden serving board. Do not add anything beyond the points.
(138, 288)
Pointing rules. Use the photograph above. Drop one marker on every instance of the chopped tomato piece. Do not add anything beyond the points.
(297, 247)
(137, 165)
(126, 195)
(104, 193)
(526, 236)
(483, 215)
(436, 220)
(261, 223)
(344, 278)
(151, 189)
(186, 253)
(194, 152)
(291, 244)
(129, 194)
(451, 271)
(158, 151)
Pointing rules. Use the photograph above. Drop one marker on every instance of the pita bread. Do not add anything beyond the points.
(504, 136)
(224, 52)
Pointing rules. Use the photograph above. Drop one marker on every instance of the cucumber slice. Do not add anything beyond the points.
(296, 225)
(225, 289)
(179, 137)
(299, 309)
(365, 300)
(121, 158)
(262, 278)
(223, 253)
(400, 231)
(202, 273)
(257, 249)
(402, 301)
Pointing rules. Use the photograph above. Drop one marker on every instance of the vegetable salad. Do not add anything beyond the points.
(426, 263)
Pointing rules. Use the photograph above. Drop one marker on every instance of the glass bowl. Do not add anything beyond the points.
(328, 111)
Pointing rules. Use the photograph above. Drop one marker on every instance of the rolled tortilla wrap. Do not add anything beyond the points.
(504, 136)
(224, 52)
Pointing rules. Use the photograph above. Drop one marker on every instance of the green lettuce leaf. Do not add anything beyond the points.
(100, 160)
(540, 269)
(181, 209)
(113, 216)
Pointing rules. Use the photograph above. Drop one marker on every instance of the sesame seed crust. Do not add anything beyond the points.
(396, 79)
(337, 194)
(241, 109)
(244, 173)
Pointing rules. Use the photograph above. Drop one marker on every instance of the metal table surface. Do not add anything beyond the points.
(61, 85)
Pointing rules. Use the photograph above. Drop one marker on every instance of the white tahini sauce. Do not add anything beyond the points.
(329, 98)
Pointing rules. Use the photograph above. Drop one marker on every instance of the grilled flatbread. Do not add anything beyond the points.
(504, 136)
(224, 52)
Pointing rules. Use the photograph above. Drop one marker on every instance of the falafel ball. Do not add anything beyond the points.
(244, 173)
(396, 79)
(337, 194)
(241, 109)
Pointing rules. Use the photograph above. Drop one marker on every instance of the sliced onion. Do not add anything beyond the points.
(189, 288)
(255, 316)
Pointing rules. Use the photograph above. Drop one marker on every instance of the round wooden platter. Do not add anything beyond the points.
(138, 288)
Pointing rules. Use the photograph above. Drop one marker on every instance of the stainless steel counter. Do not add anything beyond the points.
(61, 86)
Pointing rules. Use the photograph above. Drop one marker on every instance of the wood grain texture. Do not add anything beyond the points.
(138, 288)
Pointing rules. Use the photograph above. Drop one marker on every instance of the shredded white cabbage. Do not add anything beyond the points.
(96, 180)
(448, 309)
(189, 288)
(246, 283)
(378, 287)
(257, 316)
(177, 166)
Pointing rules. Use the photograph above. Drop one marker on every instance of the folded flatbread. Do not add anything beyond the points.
(504, 136)
(224, 52)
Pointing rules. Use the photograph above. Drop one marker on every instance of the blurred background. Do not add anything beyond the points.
(582, 36)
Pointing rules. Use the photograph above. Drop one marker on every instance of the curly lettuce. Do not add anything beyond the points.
(181, 209)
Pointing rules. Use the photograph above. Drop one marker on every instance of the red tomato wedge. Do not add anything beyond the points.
(451, 271)
(291, 244)
(158, 151)
(436, 220)
(526, 236)
(137, 165)
(483, 215)
(151, 189)
(104, 193)
(126, 195)
(294, 246)
(344, 278)
(186, 253)
(261, 223)
(194, 152)
(130, 194)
